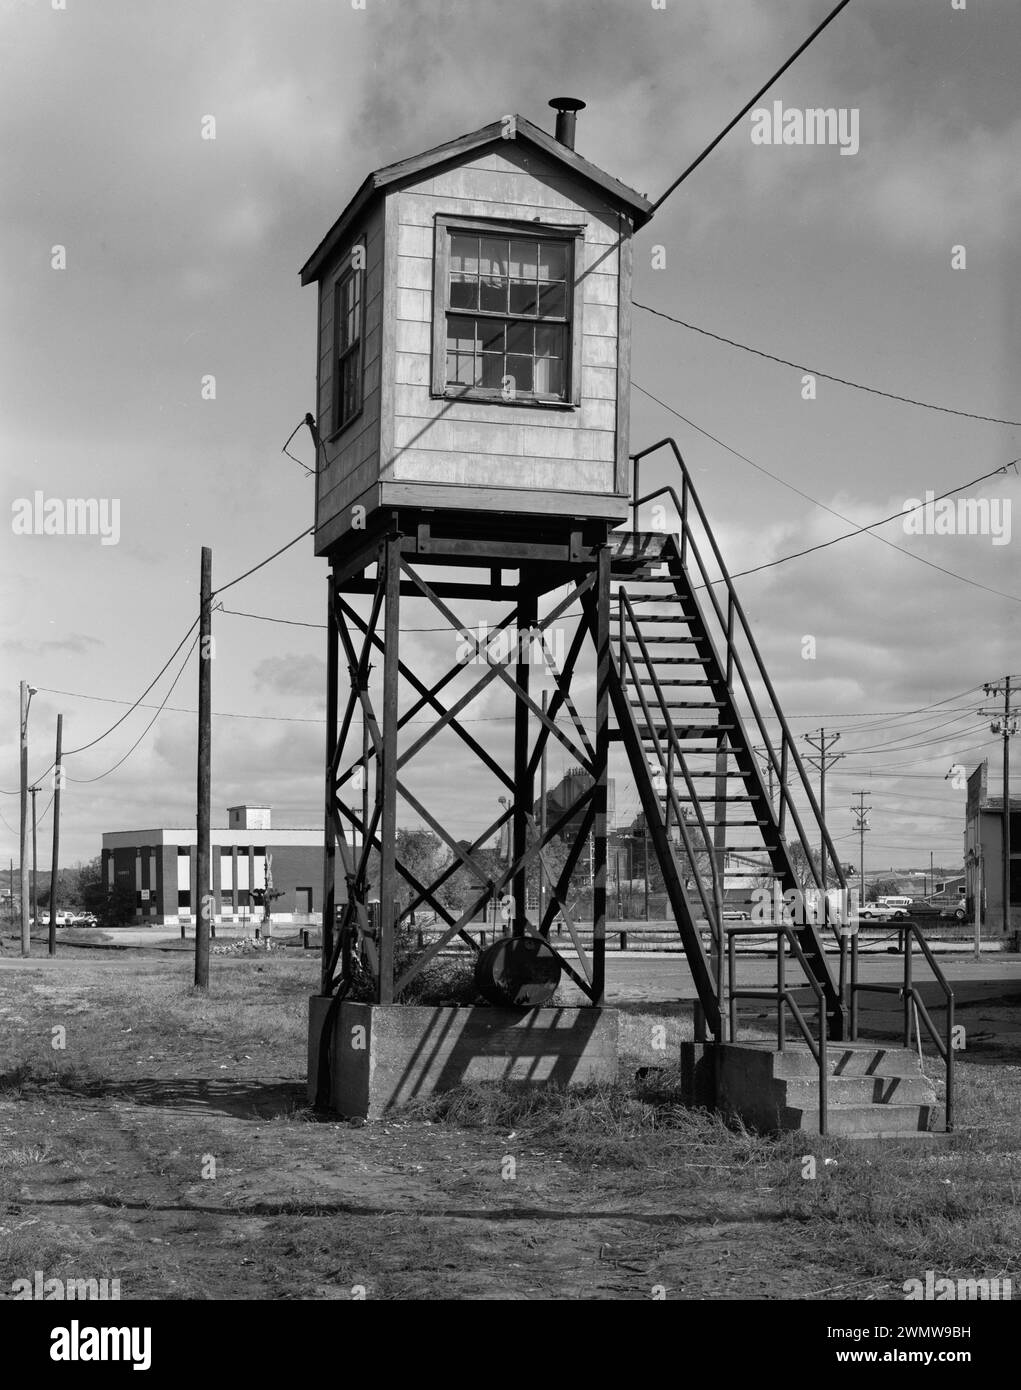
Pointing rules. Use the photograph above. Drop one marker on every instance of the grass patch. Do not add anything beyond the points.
(447, 981)
(618, 1186)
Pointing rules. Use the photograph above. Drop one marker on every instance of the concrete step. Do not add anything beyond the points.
(847, 1059)
(873, 1092)
(866, 1121)
(861, 1090)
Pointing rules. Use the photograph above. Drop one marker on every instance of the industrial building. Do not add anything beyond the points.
(983, 852)
(247, 856)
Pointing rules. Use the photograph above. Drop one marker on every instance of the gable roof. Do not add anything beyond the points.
(524, 132)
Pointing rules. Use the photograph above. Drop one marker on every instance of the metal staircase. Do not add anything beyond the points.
(703, 730)
(696, 710)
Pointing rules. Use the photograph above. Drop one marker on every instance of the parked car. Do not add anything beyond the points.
(85, 919)
(66, 919)
(957, 914)
(881, 911)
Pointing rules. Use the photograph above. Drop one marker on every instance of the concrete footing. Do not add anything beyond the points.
(874, 1091)
(381, 1056)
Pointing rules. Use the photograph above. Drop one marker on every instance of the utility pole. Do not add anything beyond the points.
(34, 792)
(27, 692)
(821, 762)
(58, 777)
(1005, 724)
(861, 825)
(202, 856)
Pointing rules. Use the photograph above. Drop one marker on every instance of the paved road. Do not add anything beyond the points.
(639, 975)
(668, 977)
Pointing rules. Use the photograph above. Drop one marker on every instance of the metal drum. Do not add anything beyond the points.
(517, 972)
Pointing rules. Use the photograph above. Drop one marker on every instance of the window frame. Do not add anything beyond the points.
(572, 235)
(338, 426)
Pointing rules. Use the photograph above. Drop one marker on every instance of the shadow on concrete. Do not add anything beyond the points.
(548, 1044)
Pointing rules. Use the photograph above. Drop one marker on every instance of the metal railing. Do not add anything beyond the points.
(780, 748)
(907, 990)
(743, 671)
(783, 995)
(674, 753)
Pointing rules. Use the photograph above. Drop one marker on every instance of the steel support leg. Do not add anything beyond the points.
(329, 834)
(524, 776)
(601, 635)
(390, 563)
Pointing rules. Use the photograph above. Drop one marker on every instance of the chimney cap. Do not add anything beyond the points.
(567, 104)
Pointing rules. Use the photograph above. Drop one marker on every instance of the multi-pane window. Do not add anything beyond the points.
(347, 398)
(508, 315)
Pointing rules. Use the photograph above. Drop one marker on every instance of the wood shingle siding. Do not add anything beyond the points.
(413, 432)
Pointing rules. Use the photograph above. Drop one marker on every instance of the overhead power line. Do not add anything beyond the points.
(826, 376)
(137, 703)
(262, 563)
(920, 559)
(133, 705)
(294, 622)
(871, 526)
(749, 104)
(159, 710)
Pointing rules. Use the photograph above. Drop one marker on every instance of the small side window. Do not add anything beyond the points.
(347, 321)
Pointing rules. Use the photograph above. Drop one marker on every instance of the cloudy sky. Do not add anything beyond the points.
(181, 262)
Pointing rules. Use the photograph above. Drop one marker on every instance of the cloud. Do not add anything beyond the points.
(75, 645)
(292, 674)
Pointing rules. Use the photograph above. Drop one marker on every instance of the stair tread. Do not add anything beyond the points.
(690, 729)
(684, 704)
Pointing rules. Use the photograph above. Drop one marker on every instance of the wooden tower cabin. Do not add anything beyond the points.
(473, 457)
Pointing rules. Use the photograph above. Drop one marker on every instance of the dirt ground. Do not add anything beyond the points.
(162, 1138)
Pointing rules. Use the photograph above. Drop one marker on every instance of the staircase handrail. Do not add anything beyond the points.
(784, 996)
(907, 990)
(713, 917)
(735, 609)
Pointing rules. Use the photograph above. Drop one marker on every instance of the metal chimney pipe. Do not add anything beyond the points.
(566, 109)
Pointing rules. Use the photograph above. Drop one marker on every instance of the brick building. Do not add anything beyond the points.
(160, 866)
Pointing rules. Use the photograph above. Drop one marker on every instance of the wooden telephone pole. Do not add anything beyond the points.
(860, 812)
(821, 762)
(33, 793)
(26, 930)
(205, 740)
(58, 777)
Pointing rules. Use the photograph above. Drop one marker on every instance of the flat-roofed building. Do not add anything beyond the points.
(247, 857)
